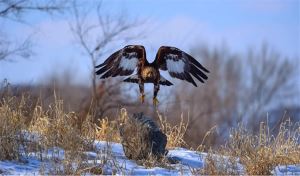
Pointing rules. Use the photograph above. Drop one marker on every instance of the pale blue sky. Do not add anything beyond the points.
(181, 23)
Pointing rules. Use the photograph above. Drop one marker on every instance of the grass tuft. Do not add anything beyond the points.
(175, 134)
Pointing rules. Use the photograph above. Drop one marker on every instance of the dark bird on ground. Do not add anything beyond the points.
(178, 63)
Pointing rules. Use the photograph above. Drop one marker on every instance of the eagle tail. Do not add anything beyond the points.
(135, 79)
(164, 81)
(132, 79)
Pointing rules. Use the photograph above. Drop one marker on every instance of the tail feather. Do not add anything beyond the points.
(164, 81)
(132, 79)
(135, 79)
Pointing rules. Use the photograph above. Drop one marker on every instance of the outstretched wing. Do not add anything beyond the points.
(180, 64)
(123, 62)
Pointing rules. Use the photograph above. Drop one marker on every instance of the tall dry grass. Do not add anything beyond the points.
(25, 130)
(12, 122)
(54, 127)
(175, 133)
(261, 152)
(258, 153)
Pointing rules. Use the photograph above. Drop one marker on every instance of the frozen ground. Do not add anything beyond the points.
(187, 161)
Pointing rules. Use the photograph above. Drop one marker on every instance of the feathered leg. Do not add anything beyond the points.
(156, 89)
(141, 86)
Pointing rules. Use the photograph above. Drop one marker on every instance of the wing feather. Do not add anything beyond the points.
(180, 64)
(122, 62)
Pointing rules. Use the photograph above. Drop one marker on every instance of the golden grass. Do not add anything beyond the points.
(52, 127)
(175, 134)
(262, 152)
(60, 129)
(12, 122)
(258, 153)
(107, 130)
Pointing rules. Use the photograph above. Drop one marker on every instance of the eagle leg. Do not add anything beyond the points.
(141, 86)
(142, 98)
(155, 101)
(156, 89)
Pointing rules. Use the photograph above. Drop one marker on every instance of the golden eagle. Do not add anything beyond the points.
(178, 63)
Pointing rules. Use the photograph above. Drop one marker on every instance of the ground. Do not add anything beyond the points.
(188, 161)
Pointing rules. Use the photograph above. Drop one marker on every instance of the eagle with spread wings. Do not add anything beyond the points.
(178, 63)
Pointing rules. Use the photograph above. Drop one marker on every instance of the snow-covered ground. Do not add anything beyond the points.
(187, 162)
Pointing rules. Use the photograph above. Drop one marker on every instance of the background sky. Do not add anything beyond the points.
(239, 24)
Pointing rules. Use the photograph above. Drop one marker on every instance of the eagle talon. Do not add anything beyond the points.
(155, 101)
(142, 98)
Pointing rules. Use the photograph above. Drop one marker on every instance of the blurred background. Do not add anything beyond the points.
(251, 48)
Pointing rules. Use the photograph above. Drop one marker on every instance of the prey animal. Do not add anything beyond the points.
(178, 63)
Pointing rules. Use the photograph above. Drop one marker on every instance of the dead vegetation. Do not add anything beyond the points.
(175, 134)
(53, 128)
(11, 125)
(260, 153)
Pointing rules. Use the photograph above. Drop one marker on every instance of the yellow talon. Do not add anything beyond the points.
(155, 101)
(142, 98)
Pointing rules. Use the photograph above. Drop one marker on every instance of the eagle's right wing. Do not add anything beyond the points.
(123, 62)
(180, 65)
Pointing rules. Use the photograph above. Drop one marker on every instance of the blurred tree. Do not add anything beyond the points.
(15, 10)
(95, 37)
(240, 88)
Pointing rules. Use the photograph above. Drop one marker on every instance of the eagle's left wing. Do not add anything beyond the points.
(180, 64)
(123, 62)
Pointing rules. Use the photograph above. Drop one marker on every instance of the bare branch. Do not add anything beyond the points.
(14, 8)
(10, 50)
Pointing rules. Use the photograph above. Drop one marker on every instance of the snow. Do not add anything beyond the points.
(187, 160)
(30, 167)
(287, 170)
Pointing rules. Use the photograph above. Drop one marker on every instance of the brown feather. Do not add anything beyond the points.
(114, 64)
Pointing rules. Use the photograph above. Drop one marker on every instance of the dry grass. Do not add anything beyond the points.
(258, 153)
(50, 128)
(60, 129)
(216, 164)
(108, 130)
(12, 122)
(175, 134)
(262, 152)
